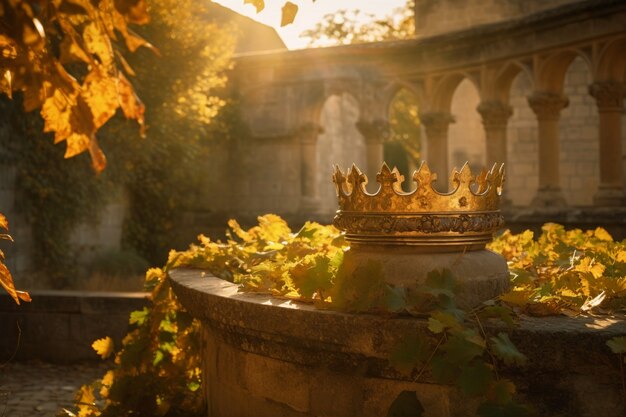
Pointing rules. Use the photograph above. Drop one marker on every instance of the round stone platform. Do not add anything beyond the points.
(265, 356)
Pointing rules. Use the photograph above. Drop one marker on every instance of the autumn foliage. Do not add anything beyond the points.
(6, 280)
(65, 56)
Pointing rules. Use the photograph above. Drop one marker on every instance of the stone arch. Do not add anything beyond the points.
(447, 86)
(391, 90)
(340, 143)
(505, 77)
(611, 64)
(466, 136)
(550, 74)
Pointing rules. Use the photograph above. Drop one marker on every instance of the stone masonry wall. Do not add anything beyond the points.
(60, 326)
(439, 16)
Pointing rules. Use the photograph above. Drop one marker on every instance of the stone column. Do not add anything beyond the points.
(495, 116)
(308, 134)
(436, 125)
(375, 133)
(547, 108)
(609, 97)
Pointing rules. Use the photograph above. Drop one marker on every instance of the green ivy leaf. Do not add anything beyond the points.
(502, 392)
(413, 351)
(508, 410)
(499, 312)
(435, 325)
(475, 378)
(459, 350)
(504, 349)
(406, 405)
(139, 317)
(395, 299)
(442, 320)
(443, 371)
(617, 344)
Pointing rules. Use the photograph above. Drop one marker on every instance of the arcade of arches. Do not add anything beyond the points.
(543, 93)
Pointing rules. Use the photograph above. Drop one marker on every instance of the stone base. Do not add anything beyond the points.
(309, 205)
(549, 197)
(609, 196)
(481, 274)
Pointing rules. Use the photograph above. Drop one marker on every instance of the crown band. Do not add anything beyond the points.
(466, 217)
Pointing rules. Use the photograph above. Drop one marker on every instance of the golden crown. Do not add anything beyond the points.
(466, 216)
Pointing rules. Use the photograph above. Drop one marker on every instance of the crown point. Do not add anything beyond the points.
(386, 175)
(481, 181)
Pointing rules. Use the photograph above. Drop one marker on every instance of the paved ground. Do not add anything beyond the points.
(36, 389)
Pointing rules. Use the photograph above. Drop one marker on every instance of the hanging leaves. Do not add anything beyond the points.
(38, 46)
(6, 279)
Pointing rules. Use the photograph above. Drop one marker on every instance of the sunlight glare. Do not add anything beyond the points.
(309, 13)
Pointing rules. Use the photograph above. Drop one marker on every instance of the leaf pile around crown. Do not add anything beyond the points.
(465, 216)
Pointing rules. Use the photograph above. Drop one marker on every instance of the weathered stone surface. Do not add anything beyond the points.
(285, 358)
(481, 274)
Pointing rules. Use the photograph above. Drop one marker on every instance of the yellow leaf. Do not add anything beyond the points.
(602, 234)
(98, 159)
(289, 12)
(137, 13)
(131, 106)
(106, 382)
(259, 4)
(86, 401)
(519, 298)
(76, 144)
(587, 264)
(621, 256)
(72, 52)
(98, 43)
(4, 223)
(56, 114)
(594, 302)
(103, 347)
(101, 95)
(6, 281)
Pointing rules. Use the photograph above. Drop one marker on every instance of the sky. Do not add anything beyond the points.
(309, 13)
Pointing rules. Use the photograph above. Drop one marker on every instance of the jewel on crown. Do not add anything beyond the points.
(467, 214)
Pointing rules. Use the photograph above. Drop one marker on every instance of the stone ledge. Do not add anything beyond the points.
(568, 357)
(60, 326)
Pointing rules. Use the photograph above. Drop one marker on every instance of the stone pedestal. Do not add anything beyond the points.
(481, 274)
